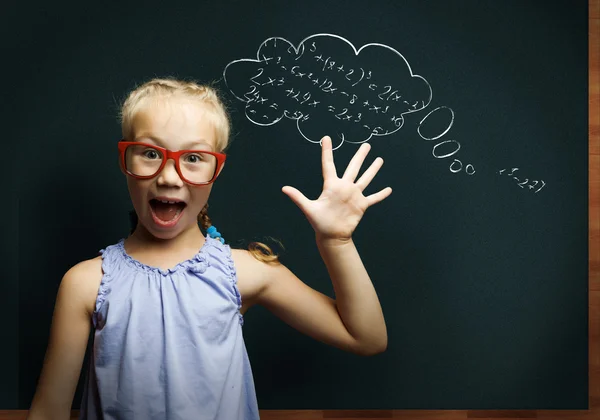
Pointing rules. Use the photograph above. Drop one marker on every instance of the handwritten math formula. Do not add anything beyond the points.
(322, 80)
(326, 82)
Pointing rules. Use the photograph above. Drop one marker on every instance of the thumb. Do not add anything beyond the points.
(296, 196)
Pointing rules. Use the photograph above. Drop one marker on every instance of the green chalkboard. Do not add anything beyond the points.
(479, 109)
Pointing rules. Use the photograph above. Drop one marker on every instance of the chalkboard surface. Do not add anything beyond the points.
(479, 109)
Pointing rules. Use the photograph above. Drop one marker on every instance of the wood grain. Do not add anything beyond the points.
(594, 297)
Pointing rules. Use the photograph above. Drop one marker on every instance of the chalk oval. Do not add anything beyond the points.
(451, 145)
(437, 123)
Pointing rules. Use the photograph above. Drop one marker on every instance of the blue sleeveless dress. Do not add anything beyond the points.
(168, 344)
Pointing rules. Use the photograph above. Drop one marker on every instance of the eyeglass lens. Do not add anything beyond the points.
(195, 166)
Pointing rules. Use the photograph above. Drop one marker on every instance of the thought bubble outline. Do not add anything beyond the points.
(356, 53)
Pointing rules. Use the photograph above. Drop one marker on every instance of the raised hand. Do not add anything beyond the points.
(341, 205)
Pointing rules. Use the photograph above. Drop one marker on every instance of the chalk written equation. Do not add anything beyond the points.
(325, 81)
(532, 184)
(356, 94)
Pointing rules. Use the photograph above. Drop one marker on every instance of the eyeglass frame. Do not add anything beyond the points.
(168, 154)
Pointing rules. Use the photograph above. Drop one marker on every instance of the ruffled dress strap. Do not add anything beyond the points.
(222, 253)
(110, 258)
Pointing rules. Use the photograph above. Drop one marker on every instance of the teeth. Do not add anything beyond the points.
(168, 202)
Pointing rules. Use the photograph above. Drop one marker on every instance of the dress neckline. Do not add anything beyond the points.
(198, 257)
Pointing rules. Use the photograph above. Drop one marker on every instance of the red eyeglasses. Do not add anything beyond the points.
(144, 161)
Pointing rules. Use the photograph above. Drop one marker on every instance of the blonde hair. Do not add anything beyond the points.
(165, 88)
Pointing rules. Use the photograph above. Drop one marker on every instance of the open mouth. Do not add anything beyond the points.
(167, 211)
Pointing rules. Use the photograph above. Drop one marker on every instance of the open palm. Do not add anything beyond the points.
(341, 205)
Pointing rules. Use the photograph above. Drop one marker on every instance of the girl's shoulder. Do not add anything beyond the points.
(86, 276)
(252, 278)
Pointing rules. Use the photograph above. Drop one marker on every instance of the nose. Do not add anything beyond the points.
(169, 175)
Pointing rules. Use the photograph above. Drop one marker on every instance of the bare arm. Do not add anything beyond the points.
(316, 314)
(356, 298)
(69, 333)
(334, 216)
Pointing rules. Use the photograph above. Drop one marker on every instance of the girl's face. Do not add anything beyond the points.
(175, 124)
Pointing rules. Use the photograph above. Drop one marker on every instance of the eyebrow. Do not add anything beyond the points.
(186, 146)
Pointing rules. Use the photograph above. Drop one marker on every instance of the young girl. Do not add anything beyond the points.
(167, 303)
